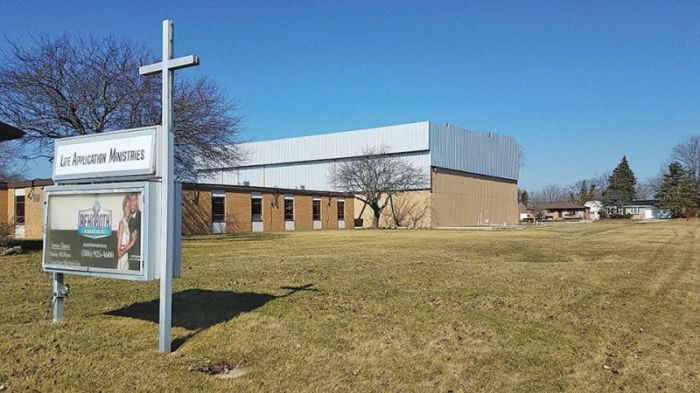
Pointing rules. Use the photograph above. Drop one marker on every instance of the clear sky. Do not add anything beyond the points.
(578, 84)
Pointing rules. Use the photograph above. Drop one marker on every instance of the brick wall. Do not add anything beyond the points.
(349, 213)
(329, 212)
(34, 213)
(238, 212)
(196, 212)
(302, 213)
(273, 212)
(4, 218)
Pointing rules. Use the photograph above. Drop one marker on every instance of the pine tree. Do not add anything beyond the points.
(524, 197)
(622, 185)
(678, 190)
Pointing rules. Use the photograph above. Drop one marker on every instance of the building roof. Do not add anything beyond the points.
(561, 206)
(197, 186)
(643, 202)
(8, 132)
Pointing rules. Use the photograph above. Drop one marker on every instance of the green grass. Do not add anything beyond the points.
(600, 307)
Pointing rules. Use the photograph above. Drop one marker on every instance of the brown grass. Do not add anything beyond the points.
(601, 307)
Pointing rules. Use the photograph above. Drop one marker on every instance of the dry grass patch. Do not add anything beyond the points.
(601, 307)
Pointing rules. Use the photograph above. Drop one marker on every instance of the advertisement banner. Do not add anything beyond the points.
(95, 231)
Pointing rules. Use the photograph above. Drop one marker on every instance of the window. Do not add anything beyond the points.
(217, 208)
(256, 208)
(19, 209)
(288, 209)
(341, 210)
(316, 210)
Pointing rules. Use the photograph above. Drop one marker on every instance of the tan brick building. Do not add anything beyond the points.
(472, 175)
(206, 209)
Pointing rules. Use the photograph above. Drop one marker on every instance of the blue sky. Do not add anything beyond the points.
(578, 84)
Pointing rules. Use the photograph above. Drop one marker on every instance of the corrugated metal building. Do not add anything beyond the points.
(473, 175)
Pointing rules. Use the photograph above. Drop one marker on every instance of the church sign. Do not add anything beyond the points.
(115, 210)
(112, 155)
(99, 230)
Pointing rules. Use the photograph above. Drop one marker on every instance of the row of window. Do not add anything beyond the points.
(218, 211)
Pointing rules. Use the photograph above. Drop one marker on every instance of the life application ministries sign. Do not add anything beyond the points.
(93, 229)
(100, 231)
(113, 155)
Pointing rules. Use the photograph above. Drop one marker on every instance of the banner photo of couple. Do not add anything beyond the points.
(95, 231)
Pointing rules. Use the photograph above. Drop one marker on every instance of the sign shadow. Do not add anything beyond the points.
(199, 309)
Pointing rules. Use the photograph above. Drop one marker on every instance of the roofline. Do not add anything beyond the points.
(197, 186)
(336, 132)
(8, 132)
(278, 190)
(30, 183)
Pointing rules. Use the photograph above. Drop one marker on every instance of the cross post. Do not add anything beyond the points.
(166, 240)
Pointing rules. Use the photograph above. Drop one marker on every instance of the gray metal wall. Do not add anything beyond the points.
(400, 138)
(483, 153)
(307, 161)
(311, 175)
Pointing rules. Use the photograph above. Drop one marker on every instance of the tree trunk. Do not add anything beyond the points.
(377, 212)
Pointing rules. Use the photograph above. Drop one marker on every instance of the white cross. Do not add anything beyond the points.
(166, 242)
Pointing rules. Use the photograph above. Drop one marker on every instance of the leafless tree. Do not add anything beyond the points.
(687, 153)
(600, 182)
(549, 193)
(11, 169)
(376, 176)
(66, 86)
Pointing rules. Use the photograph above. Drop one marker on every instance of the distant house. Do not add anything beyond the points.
(562, 211)
(595, 209)
(641, 209)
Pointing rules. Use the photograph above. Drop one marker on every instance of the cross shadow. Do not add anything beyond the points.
(200, 309)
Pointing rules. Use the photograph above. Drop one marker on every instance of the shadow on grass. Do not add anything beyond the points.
(200, 309)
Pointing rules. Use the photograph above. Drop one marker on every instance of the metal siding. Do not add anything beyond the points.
(311, 175)
(482, 153)
(397, 139)
(293, 162)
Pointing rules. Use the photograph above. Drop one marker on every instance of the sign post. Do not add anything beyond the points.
(166, 244)
(114, 210)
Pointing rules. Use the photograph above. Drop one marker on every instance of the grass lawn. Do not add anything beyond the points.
(598, 307)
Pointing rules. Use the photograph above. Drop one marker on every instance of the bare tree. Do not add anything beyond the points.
(550, 193)
(375, 177)
(10, 169)
(688, 154)
(654, 183)
(69, 86)
(600, 182)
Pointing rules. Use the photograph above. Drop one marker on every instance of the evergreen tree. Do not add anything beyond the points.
(622, 185)
(678, 190)
(524, 197)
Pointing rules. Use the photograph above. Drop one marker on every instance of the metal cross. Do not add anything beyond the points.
(164, 252)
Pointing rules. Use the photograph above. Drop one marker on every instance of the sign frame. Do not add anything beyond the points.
(149, 270)
(152, 172)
